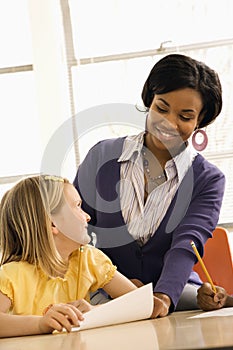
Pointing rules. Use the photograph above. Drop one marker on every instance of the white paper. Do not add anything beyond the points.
(133, 306)
(228, 311)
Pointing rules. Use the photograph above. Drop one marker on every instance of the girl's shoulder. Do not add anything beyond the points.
(17, 269)
(91, 257)
(88, 251)
(93, 253)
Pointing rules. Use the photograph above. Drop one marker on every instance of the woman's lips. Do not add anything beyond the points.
(165, 134)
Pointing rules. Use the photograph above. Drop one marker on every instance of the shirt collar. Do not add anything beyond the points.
(183, 161)
(133, 146)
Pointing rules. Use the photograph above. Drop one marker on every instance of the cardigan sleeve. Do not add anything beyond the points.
(197, 224)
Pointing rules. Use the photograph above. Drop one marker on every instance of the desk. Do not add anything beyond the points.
(173, 332)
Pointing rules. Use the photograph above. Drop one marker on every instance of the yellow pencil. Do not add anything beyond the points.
(203, 266)
(80, 261)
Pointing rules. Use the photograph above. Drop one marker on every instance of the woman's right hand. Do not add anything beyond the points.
(208, 300)
(59, 316)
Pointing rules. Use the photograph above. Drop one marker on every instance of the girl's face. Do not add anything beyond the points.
(172, 119)
(70, 219)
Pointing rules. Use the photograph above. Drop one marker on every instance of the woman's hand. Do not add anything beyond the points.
(162, 304)
(82, 305)
(162, 301)
(137, 282)
(208, 300)
(59, 316)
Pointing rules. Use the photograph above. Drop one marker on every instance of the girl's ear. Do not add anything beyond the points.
(55, 230)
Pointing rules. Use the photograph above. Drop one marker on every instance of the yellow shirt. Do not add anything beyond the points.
(30, 290)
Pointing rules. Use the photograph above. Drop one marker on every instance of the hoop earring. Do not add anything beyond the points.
(199, 141)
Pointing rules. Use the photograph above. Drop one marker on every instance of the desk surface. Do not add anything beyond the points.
(176, 331)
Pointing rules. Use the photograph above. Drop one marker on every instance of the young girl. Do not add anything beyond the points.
(47, 267)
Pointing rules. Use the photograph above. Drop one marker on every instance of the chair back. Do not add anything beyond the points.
(218, 259)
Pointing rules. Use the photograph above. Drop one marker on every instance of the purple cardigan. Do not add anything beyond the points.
(167, 258)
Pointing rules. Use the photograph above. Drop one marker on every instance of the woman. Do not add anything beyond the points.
(149, 195)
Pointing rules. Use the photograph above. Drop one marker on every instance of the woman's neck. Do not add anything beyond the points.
(162, 155)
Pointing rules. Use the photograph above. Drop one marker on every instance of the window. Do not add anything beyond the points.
(80, 55)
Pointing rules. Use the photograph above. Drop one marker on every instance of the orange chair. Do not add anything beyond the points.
(218, 259)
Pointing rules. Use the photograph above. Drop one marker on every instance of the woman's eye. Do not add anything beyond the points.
(161, 110)
(185, 118)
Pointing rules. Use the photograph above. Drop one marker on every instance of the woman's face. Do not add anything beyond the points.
(172, 119)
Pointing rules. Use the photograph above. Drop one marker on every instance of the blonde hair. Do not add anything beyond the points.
(26, 226)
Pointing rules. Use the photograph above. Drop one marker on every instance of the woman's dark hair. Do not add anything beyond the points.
(178, 71)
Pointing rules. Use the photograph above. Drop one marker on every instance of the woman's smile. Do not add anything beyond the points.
(165, 134)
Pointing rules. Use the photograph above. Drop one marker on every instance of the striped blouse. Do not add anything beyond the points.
(143, 219)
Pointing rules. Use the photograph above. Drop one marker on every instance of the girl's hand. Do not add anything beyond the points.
(162, 304)
(208, 300)
(82, 305)
(59, 316)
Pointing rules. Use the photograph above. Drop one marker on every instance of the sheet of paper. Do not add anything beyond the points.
(228, 311)
(133, 306)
